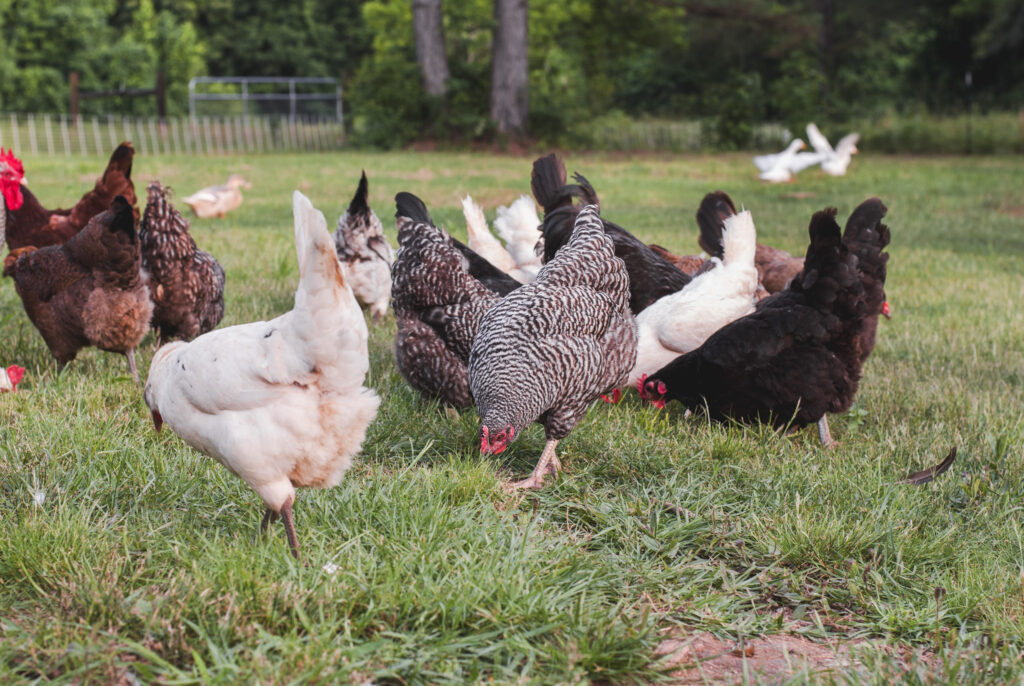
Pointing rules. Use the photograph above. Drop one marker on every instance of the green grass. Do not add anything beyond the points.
(142, 558)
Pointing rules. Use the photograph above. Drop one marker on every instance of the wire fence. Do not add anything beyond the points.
(43, 134)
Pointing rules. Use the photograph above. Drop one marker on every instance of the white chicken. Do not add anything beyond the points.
(519, 226)
(777, 168)
(481, 240)
(680, 322)
(365, 254)
(280, 403)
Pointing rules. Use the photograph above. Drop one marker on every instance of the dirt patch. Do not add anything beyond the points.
(702, 658)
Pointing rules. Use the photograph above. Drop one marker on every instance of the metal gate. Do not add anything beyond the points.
(294, 97)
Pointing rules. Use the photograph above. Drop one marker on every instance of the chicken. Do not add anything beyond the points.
(691, 265)
(481, 240)
(775, 267)
(10, 378)
(681, 321)
(281, 404)
(800, 354)
(651, 276)
(216, 201)
(547, 350)
(365, 254)
(89, 291)
(29, 223)
(519, 226)
(186, 284)
(438, 306)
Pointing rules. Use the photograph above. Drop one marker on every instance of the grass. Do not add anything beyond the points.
(142, 559)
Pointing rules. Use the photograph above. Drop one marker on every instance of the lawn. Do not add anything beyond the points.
(125, 554)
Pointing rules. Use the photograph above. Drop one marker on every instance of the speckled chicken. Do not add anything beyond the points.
(91, 291)
(651, 276)
(547, 350)
(800, 354)
(438, 306)
(186, 284)
(364, 252)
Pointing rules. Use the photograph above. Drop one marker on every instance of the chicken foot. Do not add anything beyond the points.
(547, 464)
(269, 517)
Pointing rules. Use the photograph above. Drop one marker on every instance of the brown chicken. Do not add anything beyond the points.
(28, 223)
(187, 284)
(89, 291)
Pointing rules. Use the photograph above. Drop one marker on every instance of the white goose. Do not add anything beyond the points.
(777, 168)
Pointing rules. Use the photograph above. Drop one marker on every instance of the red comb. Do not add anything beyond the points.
(11, 161)
(15, 374)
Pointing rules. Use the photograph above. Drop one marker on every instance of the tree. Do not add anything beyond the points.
(509, 66)
(428, 31)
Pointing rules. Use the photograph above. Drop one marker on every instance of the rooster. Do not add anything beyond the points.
(89, 291)
(365, 254)
(547, 350)
(281, 404)
(651, 276)
(29, 223)
(186, 283)
(438, 306)
(800, 354)
(681, 321)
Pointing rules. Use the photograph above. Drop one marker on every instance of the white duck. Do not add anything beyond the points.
(777, 168)
(281, 404)
(216, 201)
(833, 161)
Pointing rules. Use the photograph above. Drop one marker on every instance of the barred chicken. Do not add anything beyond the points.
(800, 354)
(281, 404)
(365, 254)
(29, 223)
(91, 291)
(187, 284)
(651, 276)
(547, 350)
(438, 306)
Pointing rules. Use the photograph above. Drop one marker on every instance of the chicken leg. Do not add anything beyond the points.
(131, 365)
(824, 434)
(547, 464)
(289, 527)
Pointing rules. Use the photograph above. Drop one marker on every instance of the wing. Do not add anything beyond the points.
(819, 142)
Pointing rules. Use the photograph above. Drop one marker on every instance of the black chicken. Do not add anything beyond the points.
(799, 355)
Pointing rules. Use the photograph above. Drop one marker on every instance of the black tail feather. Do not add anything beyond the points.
(711, 215)
(547, 181)
(360, 201)
(408, 205)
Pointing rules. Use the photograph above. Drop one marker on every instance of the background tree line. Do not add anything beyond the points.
(733, 63)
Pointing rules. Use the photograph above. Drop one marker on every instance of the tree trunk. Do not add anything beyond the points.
(428, 29)
(509, 74)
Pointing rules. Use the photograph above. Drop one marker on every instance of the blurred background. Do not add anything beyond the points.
(924, 76)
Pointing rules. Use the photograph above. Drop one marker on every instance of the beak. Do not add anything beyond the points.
(158, 421)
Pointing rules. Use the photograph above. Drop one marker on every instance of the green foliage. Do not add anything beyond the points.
(740, 103)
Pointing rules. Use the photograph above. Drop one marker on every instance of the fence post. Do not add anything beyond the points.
(15, 134)
(80, 127)
(96, 135)
(48, 125)
(112, 131)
